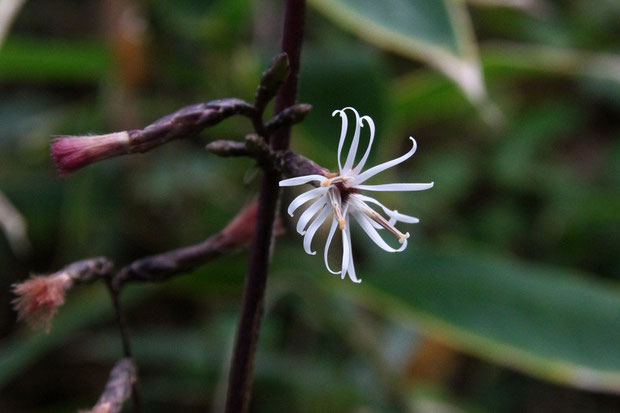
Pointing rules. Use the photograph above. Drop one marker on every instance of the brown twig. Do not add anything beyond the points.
(161, 267)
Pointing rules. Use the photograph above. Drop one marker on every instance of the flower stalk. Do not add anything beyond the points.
(242, 365)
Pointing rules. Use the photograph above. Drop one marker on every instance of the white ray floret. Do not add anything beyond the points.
(339, 195)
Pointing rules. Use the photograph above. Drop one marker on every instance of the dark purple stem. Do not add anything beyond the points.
(242, 366)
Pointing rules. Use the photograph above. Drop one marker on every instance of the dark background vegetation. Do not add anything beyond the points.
(505, 301)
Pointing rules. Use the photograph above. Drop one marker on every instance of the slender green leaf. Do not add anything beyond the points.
(437, 32)
(547, 322)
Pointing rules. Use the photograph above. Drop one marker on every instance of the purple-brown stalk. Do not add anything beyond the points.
(242, 365)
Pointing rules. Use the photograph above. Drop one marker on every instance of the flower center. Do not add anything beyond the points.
(336, 180)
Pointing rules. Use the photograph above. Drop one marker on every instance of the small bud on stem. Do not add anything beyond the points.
(271, 81)
(289, 116)
(227, 149)
(74, 152)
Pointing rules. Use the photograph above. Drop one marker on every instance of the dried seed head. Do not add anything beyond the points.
(74, 152)
(39, 297)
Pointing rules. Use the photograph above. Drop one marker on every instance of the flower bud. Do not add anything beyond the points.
(272, 79)
(74, 152)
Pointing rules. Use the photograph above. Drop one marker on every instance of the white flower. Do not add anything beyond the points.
(340, 195)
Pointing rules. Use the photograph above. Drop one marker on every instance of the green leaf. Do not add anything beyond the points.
(30, 59)
(501, 57)
(544, 321)
(436, 32)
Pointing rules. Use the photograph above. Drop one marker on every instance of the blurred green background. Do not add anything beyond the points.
(507, 297)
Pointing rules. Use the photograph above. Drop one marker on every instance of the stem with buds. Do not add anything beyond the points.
(242, 366)
(39, 297)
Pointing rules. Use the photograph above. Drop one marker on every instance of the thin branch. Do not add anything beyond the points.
(242, 365)
(187, 122)
(161, 267)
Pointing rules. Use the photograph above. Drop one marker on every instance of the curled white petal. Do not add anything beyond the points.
(299, 180)
(346, 251)
(309, 213)
(354, 143)
(371, 126)
(382, 167)
(328, 243)
(343, 133)
(364, 222)
(393, 214)
(305, 197)
(396, 187)
(350, 266)
(312, 229)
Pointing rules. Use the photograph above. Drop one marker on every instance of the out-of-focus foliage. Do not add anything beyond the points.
(513, 270)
